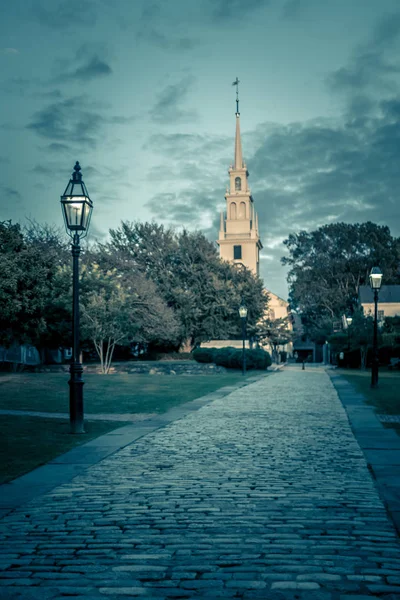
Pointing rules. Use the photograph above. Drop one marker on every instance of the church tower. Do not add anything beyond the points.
(239, 241)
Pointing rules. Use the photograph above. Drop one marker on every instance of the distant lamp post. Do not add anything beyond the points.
(349, 321)
(243, 317)
(77, 209)
(375, 281)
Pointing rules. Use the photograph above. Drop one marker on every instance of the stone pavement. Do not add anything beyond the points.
(262, 494)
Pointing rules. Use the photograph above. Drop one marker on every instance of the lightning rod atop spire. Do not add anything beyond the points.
(236, 82)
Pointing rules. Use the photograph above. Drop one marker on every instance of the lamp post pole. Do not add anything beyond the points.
(243, 317)
(77, 210)
(244, 345)
(375, 281)
(76, 369)
(375, 358)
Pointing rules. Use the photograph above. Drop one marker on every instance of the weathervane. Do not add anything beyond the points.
(236, 82)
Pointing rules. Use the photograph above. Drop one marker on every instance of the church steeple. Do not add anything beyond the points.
(238, 236)
(238, 145)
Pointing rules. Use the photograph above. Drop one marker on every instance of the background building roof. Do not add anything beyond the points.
(387, 293)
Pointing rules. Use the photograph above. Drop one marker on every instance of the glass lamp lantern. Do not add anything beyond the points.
(243, 311)
(76, 204)
(375, 278)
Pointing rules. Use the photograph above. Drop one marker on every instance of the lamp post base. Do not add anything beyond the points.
(374, 375)
(76, 398)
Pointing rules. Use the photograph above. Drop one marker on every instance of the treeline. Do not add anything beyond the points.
(147, 285)
(326, 268)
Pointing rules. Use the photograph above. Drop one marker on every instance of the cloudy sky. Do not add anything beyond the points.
(140, 93)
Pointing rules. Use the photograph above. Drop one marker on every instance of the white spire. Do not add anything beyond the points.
(238, 145)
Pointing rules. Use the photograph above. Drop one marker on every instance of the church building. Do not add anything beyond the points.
(239, 238)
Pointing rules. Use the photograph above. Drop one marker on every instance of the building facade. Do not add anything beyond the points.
(388, 301)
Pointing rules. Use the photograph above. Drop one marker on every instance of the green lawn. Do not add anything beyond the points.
(386, 397)
(28, 442)
(115, 393)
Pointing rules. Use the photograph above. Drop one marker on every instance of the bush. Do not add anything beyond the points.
(232, 358)
(228, 357)
(204, 355)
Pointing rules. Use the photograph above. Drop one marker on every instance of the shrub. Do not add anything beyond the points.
(232, 358)
(258, 359)
(204, 355)
(227, 357)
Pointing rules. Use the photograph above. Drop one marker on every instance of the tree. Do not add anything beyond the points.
(120, 311)
(24, 283)
(204, 291)
(274, 332)
(327, 266)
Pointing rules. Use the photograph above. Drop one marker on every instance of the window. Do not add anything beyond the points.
(237, 252)
(233, 210)
(242, 210)
(381, 315)
(238, 184)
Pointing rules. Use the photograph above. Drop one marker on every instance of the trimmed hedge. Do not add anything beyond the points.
(203, 355)
(231, 358)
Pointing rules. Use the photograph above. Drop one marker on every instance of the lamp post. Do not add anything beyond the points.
(77, 209)
(349, 321)
(375, 281)
(243, 317)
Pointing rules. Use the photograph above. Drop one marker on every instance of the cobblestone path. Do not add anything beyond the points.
(262, 494)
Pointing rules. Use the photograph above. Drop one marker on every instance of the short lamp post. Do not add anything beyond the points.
(243, 318)
(77, 209)
(375, 281)
(349, 321)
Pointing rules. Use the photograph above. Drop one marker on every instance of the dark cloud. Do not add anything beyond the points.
(20, 86)
(93, 68)
(227, 10)
(374, 67)
(157, 38)
(10, 193)
(57, 147)
(89, 62)
(168, 107)
(73, 121)
(67, 14)
(148, 31)
(189, 208)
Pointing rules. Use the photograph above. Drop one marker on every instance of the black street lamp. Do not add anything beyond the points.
(77, 209)
(349, 321)
(243, 317)
(375, 281)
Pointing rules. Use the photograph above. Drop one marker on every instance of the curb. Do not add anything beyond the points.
(65, 467)
(381, 447)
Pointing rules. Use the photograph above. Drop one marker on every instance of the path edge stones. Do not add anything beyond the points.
(380, 446)
(65, 467)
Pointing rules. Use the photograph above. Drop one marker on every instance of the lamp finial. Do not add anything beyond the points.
(77, 176)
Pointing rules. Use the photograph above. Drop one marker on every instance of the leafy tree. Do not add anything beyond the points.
(274, 332)
(204, 291)
(120, 311)
(24, 285)
(327, 266)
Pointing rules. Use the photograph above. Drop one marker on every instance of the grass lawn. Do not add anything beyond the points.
(28, 442)
(386, 397)
(114, 393)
